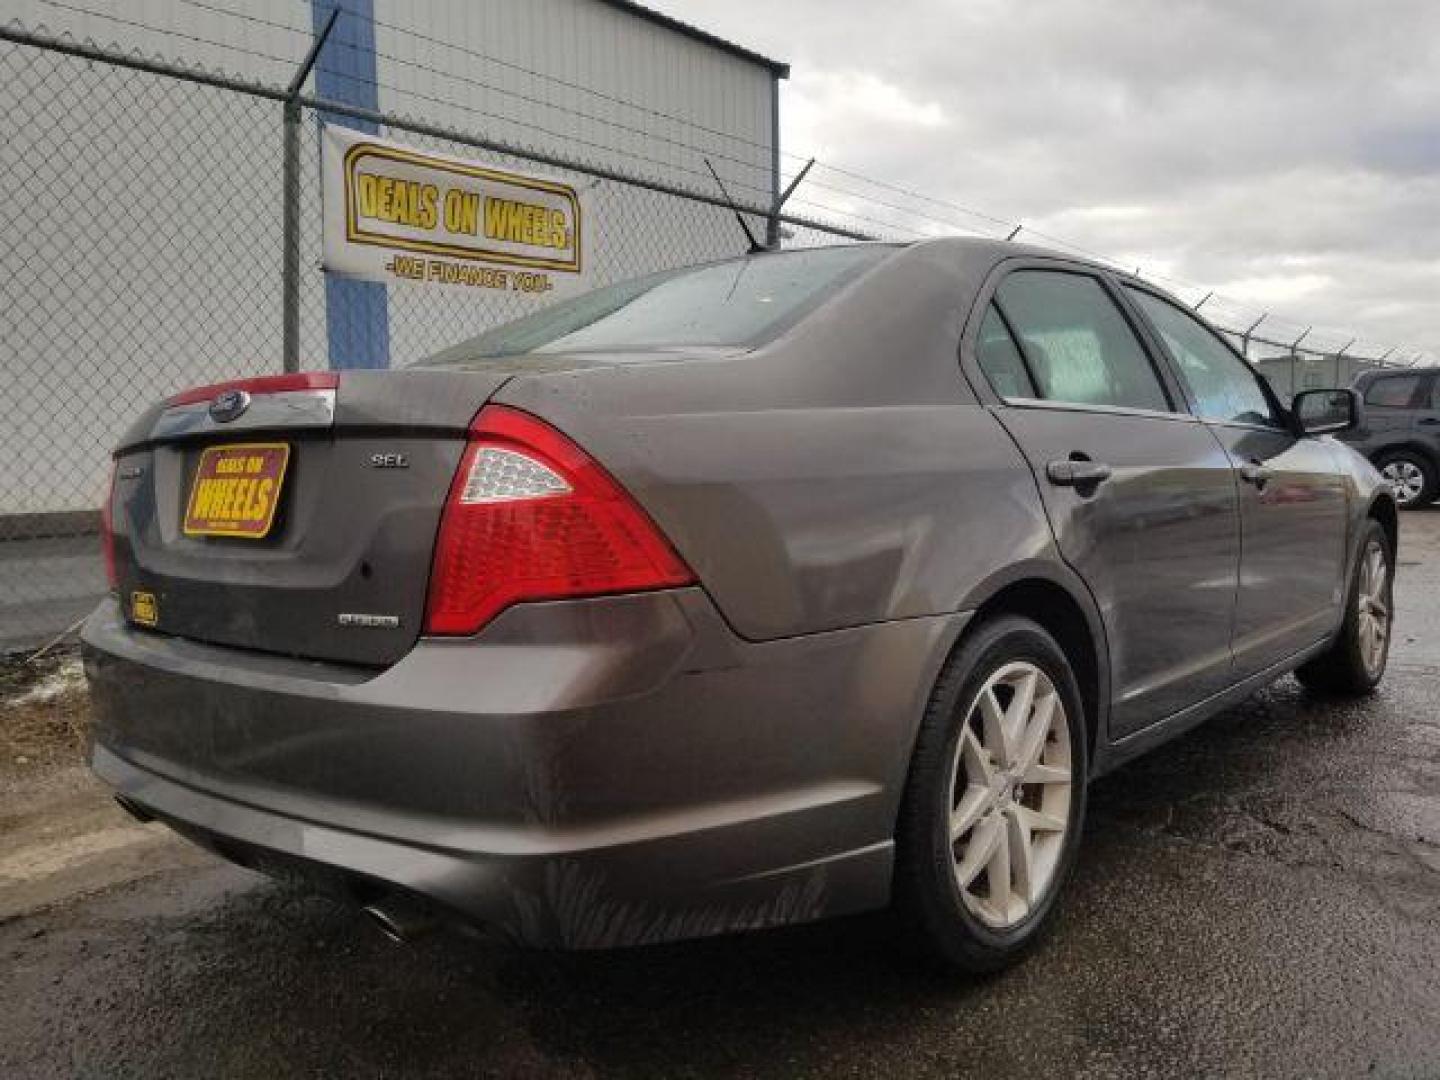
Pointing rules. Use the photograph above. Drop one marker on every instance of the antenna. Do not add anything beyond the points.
(755, 245)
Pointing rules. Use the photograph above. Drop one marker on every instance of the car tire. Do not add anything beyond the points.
(1412, 477)
(1355, 663)
(970, 764)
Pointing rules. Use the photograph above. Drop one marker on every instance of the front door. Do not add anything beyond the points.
(1293, 503)
(1141, 496)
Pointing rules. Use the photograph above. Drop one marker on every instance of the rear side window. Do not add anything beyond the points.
(1393, 391)
(1078, 345)
(1000, 360)
(1225, 388)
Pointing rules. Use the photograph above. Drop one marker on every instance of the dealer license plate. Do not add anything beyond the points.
(237, 490)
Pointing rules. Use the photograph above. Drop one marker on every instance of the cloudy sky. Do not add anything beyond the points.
(1285, 152)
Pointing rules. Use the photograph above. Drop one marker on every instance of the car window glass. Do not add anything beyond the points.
(1000, 358)
(1225, 388)
(738, 302)
(1079, 346)
(1394, 391)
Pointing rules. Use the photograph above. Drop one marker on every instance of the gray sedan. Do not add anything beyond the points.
(749, 593)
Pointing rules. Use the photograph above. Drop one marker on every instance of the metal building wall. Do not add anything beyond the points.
(613, 55)
(212, 309)
(498, 66)
(100, 233)
(589, 80)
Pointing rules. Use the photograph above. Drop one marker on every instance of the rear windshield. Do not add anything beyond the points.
(740, 302)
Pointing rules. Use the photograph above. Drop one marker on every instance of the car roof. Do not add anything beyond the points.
(1371, 374)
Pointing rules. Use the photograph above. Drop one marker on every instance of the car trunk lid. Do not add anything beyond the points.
(334, 561)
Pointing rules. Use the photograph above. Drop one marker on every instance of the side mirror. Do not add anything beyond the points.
(1324, 412)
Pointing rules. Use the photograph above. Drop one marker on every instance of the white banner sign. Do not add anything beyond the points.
(396, 214)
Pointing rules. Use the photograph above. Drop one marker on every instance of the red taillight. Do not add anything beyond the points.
(265, 384)
(107, 533)
(531, 516)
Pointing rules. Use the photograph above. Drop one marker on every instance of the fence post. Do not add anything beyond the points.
(1245, 337)
(290, 268)
(290, 220)
(772, 225)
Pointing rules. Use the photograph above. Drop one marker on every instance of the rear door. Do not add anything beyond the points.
(1427, 416)
(1392, 407)
(1293, 502)
(1140, 495)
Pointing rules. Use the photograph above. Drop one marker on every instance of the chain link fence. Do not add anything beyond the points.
(140, 246)
(144, 253)
(145, 244)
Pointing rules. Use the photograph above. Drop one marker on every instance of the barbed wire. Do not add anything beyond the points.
(914, 223)
(706, 151)
(648, 134)
(625, 152)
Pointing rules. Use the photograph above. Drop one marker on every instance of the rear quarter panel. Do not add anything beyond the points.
(843, 474)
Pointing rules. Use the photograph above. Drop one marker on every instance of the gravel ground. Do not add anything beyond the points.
(1261, 897)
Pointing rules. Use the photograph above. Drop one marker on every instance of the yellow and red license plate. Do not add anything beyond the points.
(236, 490)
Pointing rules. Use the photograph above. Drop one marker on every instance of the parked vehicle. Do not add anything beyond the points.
(1401, 433)
(744, 594)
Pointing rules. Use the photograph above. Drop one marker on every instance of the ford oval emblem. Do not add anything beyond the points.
(229, 405)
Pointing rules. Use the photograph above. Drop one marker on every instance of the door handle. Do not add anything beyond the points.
(1428, 421)
(1255, 473)
(1077, 474)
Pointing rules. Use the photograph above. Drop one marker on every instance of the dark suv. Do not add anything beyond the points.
(1401, 433)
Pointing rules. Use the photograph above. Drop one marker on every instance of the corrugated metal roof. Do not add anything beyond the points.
(779, 67)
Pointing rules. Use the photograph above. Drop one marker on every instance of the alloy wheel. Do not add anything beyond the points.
(1372, 597)
(1010, 791)
(1405, 480)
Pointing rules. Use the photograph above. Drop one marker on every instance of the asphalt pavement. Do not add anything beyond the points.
(1259, 898)
(46, 585)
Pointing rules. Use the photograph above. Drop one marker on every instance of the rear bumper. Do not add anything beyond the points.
(583, 774)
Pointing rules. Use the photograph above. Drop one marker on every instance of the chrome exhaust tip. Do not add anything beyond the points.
(399, 919)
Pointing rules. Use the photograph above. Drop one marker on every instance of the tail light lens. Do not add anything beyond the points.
(531, 516)
(107, 533)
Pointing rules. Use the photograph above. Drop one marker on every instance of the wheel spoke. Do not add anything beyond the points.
(1033, 743)
(973, 805)
(997, 871)
(1040, 773)
(1038, 821)
(983, 841)
(997, 737)
(974, 761)
(1017, 713)
(1020, 855)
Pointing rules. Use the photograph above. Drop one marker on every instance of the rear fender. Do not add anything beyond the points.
(1055, 573)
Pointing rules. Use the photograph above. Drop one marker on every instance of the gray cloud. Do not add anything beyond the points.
(1286, 153)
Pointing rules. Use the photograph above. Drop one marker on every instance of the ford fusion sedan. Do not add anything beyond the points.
(744, 594)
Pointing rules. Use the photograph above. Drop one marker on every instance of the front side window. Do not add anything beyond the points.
(1224, 387)
(1393, 391)
(1079, 347)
